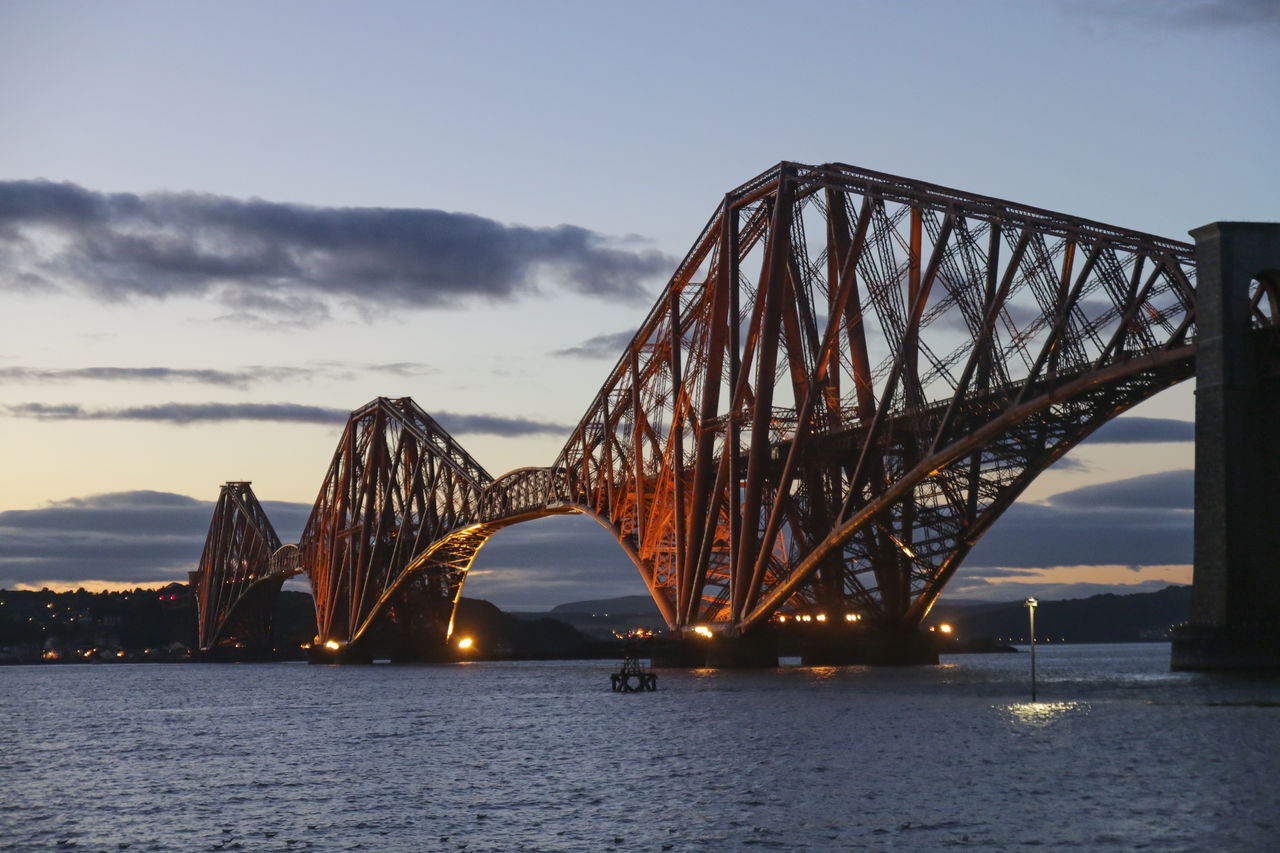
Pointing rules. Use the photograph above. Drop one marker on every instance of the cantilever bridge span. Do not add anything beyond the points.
(847, 380)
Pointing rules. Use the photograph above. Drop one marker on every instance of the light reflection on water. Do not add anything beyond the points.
(1120, 754)
(1043, 713)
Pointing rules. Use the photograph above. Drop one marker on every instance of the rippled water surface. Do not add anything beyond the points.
(1118, 754)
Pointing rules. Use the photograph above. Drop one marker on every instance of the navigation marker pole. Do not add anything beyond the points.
(1031, 610)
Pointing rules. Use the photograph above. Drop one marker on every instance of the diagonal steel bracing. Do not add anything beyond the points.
(397, 485)
(850, 376)
(241, 569)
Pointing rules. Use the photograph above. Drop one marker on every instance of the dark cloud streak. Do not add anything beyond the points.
(122, 537)
(184, 414)
(1136, 430)
(1138, 521)
(288, 262)
(228, 378)
(601, 346)
(1191, 15)
(147, 536)
(236, 378)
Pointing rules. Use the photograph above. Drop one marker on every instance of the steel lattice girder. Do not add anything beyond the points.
(397, 485)
(832, 435)
(836, 433)
(237, 571)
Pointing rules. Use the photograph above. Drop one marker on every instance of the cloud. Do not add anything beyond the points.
(136, 537)
(184, 414)
(1136, 430)
(289, 262)
(601, 346)
(402, 368)
(458, 424)
(537, 565)
(147, 537)
(1195, 15)
(242, 377)
(1164, 490)
(976, 589)
(1140, 521)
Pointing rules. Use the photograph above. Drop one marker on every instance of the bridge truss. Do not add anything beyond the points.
(241, 570)
(399, 488)
(847, 380)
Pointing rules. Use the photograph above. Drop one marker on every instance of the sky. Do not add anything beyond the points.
(225, 226)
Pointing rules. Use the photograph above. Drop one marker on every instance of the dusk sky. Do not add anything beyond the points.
(223, 226)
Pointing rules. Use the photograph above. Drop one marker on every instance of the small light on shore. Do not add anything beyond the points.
(464, 643)
(332, 645)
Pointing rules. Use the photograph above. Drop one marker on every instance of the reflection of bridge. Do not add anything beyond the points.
(848, 379)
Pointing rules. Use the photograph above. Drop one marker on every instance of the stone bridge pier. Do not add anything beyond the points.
(1235, 607)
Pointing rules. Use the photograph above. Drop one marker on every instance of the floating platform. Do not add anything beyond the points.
(632, 678)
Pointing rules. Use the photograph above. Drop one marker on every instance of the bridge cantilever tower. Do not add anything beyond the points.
(398, 485)
(850, 376)
(241, 571)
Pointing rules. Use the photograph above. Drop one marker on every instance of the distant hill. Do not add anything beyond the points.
(1107, 618)
(503, 635)
(627, 605)
(1103, 618)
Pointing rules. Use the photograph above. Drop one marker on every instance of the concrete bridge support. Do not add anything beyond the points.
(1235, 610)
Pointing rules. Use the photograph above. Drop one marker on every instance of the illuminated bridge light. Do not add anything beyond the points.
(702, 631)
(332, 645)
(465, 643)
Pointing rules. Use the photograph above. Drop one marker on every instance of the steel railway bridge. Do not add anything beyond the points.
(847, 380)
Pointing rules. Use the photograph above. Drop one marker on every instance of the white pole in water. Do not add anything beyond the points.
(1031, 609)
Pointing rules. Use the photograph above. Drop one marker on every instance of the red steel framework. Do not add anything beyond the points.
(398, 488)
(847, 380)
(241, 570)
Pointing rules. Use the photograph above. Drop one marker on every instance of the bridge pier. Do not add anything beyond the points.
(816, 645)
(756, 650)
(1235, 604)
(354, 653)
(856, 646)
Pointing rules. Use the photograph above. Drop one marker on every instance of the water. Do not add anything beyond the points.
(1119, 754)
